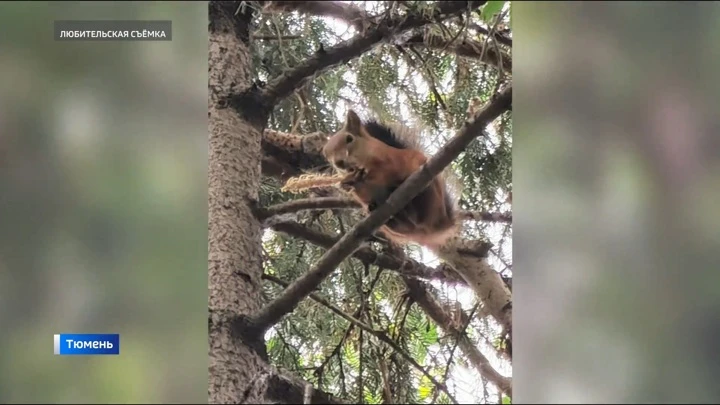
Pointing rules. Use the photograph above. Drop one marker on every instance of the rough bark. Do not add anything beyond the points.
(292, 153)
(234, 254)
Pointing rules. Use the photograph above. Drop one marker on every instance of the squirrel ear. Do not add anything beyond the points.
(352, 123)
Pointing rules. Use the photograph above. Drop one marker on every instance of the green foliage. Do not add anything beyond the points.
(491, 9)
(375, 76)
(425, 389)
(372, 396)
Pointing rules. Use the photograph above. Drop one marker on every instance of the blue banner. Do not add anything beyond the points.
(88, 344)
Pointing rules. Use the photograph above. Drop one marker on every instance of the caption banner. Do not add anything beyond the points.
(88, 344)
(113, 30)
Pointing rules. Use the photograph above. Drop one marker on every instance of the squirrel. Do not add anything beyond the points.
(377, 158)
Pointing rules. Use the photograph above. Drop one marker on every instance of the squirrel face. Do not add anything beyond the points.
(342, 147)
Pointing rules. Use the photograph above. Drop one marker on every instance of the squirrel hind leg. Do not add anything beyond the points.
(434, 208)
(405, 221)
(402, 222)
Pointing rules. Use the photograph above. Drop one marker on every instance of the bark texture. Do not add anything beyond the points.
(481, 277)
(234, 255)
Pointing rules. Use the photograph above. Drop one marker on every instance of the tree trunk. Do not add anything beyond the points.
(234, 249)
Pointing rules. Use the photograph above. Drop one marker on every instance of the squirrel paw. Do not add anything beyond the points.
(352, 178)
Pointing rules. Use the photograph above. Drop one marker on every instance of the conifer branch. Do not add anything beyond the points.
(380, 335)
(347, 13)
(441, 316)
(464, 46)
(382, 29)
(323, 203)
(406, 267)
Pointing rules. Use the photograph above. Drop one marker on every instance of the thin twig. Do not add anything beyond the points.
(378, 334)
(486, 216)
(455, 345)
(301, 204)
(430, 305)
(498, 36)
(276, 37)
(492, 30)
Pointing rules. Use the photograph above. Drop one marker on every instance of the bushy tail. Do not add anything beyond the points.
(432, 240)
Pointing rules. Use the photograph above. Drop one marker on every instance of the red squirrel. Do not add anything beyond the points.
(377, 159)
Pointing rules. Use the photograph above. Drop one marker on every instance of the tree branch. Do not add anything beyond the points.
(420, 294)
(322, 203)
(292, 153)
(290, 390)
(307, 204)
(486, 216)
(463, 46)
(418, 290)
(407, 267)
(487, 283)
(271, 313)
(283, 85)
(347, 13)
(275, 37)
(378, 334)
(501, 38)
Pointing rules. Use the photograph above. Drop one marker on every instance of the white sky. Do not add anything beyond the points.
(463, 382)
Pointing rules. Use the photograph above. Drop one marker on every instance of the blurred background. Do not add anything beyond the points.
(617, 202)
(103, 205)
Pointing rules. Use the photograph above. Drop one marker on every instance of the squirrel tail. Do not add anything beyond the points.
(448, 223)
(432, 240)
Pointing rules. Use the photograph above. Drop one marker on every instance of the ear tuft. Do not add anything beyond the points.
(352, 123)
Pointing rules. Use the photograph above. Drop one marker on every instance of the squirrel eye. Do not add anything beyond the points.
(348, 139)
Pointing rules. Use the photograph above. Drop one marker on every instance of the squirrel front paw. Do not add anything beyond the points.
(353, 177)
(347, 185)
